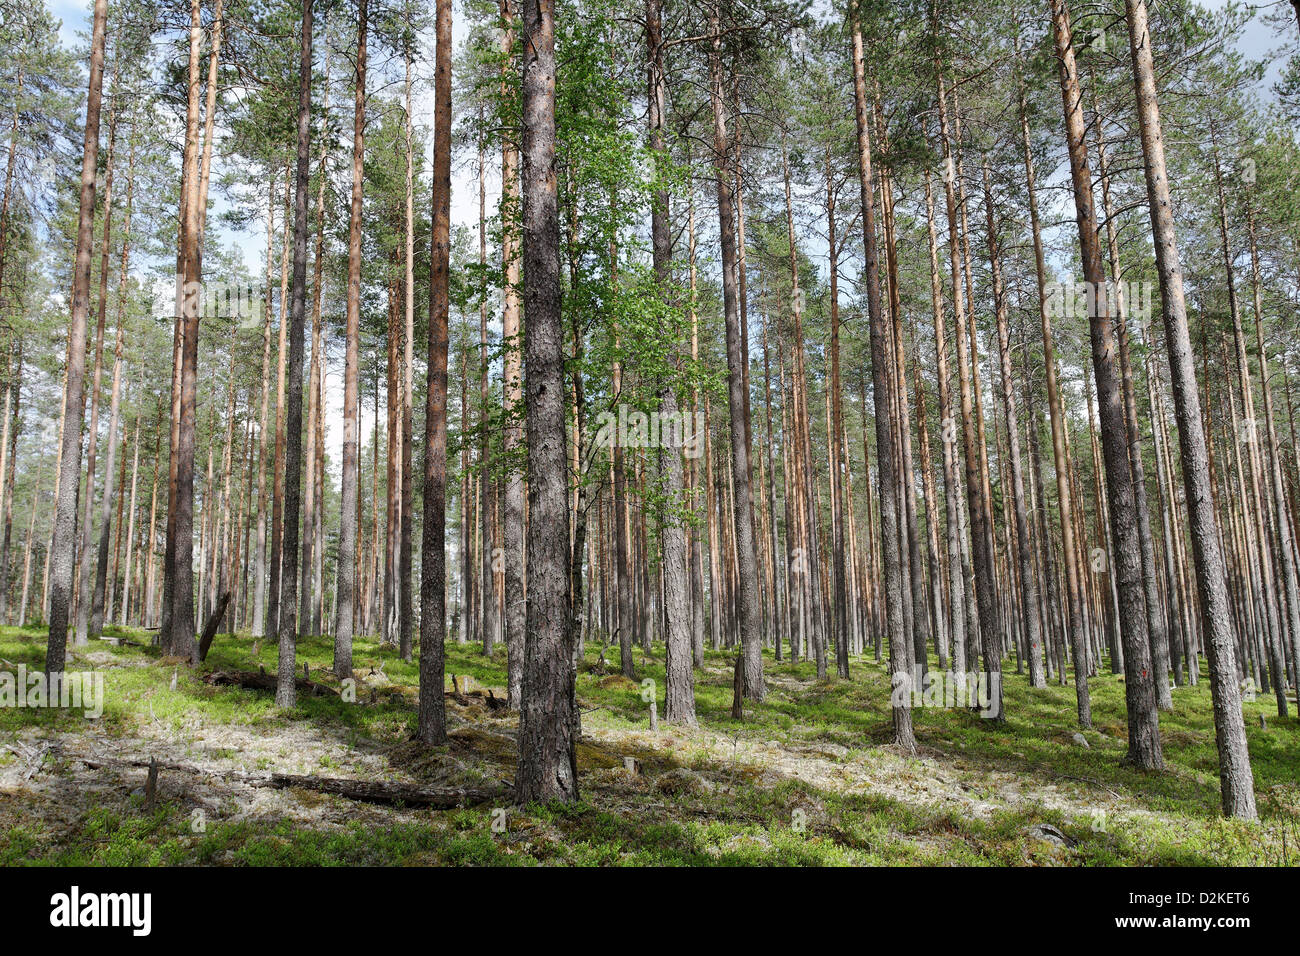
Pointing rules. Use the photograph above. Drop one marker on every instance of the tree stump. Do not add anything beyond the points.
(151, 784)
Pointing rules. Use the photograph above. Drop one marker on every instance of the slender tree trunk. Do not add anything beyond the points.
(487, 492)
(466, 508)
(1283, 522)
(1139, 692)
(981, 538)
(1249, 437)
(277, 471)
(780, 597)
(810, 563)
(882, 366)
(1028, 580)
(747, 593)
(286, 686)
(177, 634)
(1060, 448)
(432, 726)
(948, 439)
(31, 539)
(914, 595)
(259, 586)
(512, 392)
(64, 538)
(150, 608)
(697, 544)
(83, 595)
(1156, 623)
(101, 567)
(933, 556)
(680, 703)
(10, 165)
(547, 758)
(8, 468)
(390, 623)
(346, 588)
(130, 536)
(117, 539)
(315, 407)
(838, 544)
(405, 597)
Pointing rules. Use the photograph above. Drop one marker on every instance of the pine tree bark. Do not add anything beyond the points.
(286, 676)
(124, 607)
(748, 597)
(810, 555)
(31, 542)
(838, 543)
(1156, 623)
(8, 468)
(1073, 593)
(64, 538)
(101, 565)
(259, 585)
(390, 622)
(882, 365)
(512, 392)
(1139, 692)
(1286, 558)
(981, 538)
(346, 589)
(405, 597)
(277, 468)
(83, 596)
(547, 757)
(1028, 580)
(680, 702)
(315, 503)
(177, 635)
(948, 439)
(432, 723)
(697, 504)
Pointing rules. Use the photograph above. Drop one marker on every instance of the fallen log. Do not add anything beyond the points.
(372, 791)
(366, 791)
(261, 680)
(112, 763)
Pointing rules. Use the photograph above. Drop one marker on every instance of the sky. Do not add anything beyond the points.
(1256, 42)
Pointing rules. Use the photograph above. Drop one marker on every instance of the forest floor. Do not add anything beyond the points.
(807, 777)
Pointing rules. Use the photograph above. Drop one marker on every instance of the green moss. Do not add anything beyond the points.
(742, 817)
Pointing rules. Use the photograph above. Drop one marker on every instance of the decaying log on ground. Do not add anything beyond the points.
(367, 791)
(372, 791)
(261, 680)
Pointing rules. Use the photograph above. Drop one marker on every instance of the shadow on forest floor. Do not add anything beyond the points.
(808, 777)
